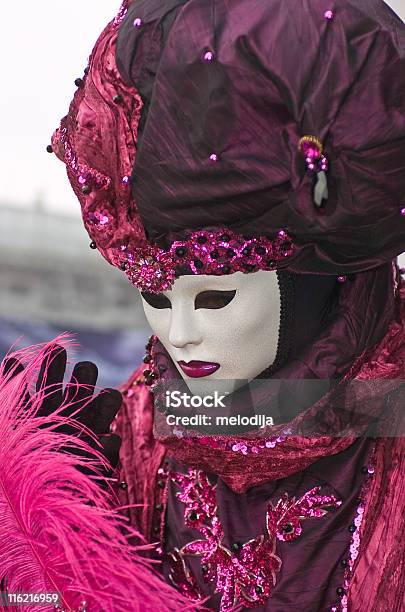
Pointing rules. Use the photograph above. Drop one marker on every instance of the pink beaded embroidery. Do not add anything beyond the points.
(244, 446)
(248, 576)
(216, 252)
(342, 606)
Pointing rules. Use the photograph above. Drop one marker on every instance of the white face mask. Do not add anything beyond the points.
(218, 327)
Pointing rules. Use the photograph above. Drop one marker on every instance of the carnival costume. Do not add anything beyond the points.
(208, 138)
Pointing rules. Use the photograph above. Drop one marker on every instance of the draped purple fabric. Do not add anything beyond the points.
(280, 71)
(312, 569)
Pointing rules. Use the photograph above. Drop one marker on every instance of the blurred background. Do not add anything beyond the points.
(50, 280)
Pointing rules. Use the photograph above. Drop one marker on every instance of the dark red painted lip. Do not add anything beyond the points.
(198, 369)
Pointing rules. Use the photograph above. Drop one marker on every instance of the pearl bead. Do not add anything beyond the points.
(214, 157)
(403, 212)
(329, 15)
(208, 56)
(137, 22)
(342, 279)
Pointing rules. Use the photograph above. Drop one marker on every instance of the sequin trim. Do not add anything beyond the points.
(342, 605)
(217, 252)
(160, 505)
(121, 13)
(246, 576)
(85, 176)
(243, 446)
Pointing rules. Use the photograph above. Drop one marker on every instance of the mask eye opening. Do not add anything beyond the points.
(214, 300)
(156, 300)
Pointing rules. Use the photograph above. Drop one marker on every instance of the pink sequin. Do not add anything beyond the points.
(356, 538)
(84, 175)
(248, 576)
(208, 56)
(237, 445)
(98, 218)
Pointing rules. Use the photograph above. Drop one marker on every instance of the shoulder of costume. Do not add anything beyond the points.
(137, 375)
(135, 388)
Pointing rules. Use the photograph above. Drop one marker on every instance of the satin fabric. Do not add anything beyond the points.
(281, 70)
(378, 579)
(311, 566)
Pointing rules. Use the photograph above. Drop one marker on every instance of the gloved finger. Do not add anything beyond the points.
(51, 378)
(106, 406)
(79, 390)
(11, 368)
(111, 448)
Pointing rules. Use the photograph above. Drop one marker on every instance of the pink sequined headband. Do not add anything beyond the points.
(204, 252)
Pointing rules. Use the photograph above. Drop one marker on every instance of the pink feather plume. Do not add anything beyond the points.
(59, 531)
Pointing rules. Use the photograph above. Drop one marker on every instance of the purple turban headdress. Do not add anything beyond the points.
(209, 138)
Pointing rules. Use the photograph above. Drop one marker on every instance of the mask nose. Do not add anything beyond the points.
(184, 328)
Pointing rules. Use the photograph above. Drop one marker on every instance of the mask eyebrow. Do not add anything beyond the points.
(214, 299)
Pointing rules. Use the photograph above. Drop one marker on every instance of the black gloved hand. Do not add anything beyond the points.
(96, 413)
